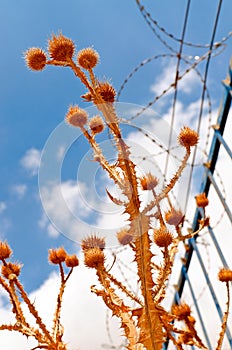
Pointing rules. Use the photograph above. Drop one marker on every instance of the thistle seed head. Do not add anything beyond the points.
(181, 311)
(149, 182)
(225, 275)
(107, 92)
(174, 217)
(61, 48)
(162, 237)
(71, 260)
(188, 137)
(5, 251)
(57, 256)
(87, 58)
(93, 241)
(94, 257)
(35, 59)
(11, 271)
(96, 125)
(76, 116)
(201, 200)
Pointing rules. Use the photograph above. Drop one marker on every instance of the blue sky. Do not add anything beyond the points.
(33, 104)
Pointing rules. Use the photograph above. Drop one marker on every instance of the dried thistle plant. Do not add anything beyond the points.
(146, 324)
(9, 280)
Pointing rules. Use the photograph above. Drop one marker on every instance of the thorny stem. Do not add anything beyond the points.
(56, 326)
(133, 210)
(118, 308)
(191, 234)
(171, 184)
(122, 287)
(105, 165)
(164, 273)
(80, 74)
(225, 319)
(14, 300)
(172, 253)
(194, 334)
(61, 272)
(59, 303)
(92, 77)
(33, 311)
(150, 318)
(169, 331)
(145, 285)
(161, 220)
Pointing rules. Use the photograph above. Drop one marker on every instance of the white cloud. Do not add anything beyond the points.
(52, 231)
(76, 211)
(167, 77)
(19, 190)
(31, 161)
(2, 207)
(64, 209)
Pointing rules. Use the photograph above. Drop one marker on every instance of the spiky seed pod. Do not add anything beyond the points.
(162, 237)
(201, 200)
(11, 271)
(35, 58)
(173, 217)
(61, 48)
(96, 125)
(71, 260)
(93, 241)
(124, 237)
(225, 275)
(57, 256)
(188, 137)
(107, 92)
(181, 311)
(5, 251)
(76, 116)
(94, 257)
(87, 58)
(149, 182)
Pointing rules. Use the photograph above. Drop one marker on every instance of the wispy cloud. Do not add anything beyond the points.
(167, 77)
(2, 207)
(75, 212)
(31, 161)
(19, 190)
(64, 208)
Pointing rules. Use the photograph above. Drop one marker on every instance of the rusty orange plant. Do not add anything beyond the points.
(146, 324)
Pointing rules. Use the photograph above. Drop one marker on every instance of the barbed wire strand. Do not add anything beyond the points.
(176, 84)
(203, 96)
(172, 36)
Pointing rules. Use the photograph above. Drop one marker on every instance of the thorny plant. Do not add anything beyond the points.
(145, 322)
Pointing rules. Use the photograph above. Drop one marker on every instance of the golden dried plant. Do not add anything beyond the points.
(146, 324)
(9, 280)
